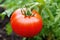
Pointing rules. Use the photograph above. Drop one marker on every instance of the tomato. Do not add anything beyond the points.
(26, 26)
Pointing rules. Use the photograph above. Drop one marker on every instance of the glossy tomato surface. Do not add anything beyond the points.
(26, 26)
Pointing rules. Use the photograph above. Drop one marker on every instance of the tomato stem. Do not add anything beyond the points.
(34, 5)
(29, 13)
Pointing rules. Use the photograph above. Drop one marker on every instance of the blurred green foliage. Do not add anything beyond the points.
(50, 12)
(9, 29)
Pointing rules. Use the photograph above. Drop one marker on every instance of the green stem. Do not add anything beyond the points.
(40, 8)
(28, 13)
(50, 14)
(29, 4)
(24, 38)
(49, 36)
(34, 5)
(29, 9)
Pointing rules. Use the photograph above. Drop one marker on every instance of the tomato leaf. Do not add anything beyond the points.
(8, 29)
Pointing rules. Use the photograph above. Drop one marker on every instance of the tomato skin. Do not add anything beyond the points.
(26, 26)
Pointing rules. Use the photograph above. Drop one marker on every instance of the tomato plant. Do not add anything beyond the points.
(26, 25)
(48, 9)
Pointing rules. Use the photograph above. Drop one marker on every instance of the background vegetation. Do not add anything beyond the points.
(48, 9)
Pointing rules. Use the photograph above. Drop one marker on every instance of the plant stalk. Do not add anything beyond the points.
(50, 14)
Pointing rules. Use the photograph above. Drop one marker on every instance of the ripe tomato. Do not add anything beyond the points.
(26, 26)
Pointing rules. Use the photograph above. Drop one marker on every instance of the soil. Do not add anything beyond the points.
(3, 34)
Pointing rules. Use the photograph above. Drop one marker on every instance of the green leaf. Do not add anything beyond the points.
(8, 29)
(41, 1)
(8, 12)
(2, 16)
(57, 17)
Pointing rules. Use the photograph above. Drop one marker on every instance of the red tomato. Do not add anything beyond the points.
(26, 26)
